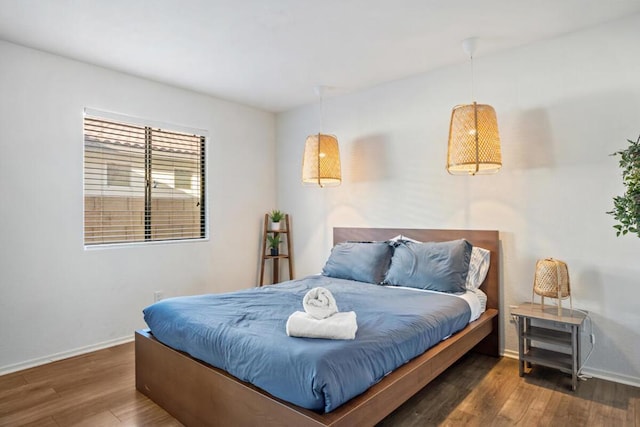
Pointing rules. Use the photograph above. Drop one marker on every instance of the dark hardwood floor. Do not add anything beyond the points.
(98, 389)
(484, 391)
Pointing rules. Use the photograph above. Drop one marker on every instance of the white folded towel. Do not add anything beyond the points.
(319, 303)
(340, 326)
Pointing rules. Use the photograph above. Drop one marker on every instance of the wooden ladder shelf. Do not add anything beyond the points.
(286, 254)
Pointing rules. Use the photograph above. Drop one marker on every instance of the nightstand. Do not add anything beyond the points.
(562, 333)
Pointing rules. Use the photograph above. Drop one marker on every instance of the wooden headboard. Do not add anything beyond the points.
(488, 239)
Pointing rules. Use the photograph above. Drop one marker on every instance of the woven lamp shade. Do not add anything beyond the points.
(474, 142)
(552, 281)
(321, 161)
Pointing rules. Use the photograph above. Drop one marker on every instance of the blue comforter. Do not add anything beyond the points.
(244, 334)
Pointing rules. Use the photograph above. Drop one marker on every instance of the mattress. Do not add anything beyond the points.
(244, 334)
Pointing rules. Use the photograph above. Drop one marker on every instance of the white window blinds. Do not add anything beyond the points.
(142, 183)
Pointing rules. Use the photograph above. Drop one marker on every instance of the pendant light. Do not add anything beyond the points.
(321, 160)
(474, 142)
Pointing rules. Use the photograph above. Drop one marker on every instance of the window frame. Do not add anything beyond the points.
(164, 126)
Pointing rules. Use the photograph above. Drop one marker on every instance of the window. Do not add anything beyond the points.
(142, 183)
(118, 175)
(182, 178)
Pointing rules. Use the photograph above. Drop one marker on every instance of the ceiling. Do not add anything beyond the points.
(271, 54)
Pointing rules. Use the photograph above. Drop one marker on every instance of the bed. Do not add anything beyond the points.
(199, 394)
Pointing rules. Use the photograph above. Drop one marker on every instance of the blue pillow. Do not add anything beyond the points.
(361, 261)
(436, 266)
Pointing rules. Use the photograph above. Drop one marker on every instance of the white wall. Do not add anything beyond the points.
(55, 297)
(563, 106)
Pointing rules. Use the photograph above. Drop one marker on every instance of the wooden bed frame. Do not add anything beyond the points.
(198, 394)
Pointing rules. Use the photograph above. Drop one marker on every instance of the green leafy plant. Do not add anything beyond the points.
(626, 208)
(276, 215)
(274, 240)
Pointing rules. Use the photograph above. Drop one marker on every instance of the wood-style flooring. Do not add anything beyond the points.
(98, 389)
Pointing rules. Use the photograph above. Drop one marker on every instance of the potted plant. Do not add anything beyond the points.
(626, 208)
(274, 243)
(276, 216)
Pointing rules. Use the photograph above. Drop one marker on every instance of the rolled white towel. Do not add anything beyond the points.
(340, 326)
(319, 303)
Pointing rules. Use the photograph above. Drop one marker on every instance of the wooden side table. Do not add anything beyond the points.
(567, 341)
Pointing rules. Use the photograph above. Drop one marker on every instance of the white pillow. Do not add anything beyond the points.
(403, 237)
(478, 267)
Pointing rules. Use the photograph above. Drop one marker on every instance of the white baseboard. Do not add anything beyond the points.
(63, 355)
(510, 354)
(611, 376)
(595, 373)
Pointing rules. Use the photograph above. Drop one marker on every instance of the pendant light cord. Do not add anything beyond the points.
(320, 93)
(321, 108)
(473, 98)
(469, 46)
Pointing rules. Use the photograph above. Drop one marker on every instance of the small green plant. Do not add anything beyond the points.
(274, 240)
(276, 215)
(626, 208)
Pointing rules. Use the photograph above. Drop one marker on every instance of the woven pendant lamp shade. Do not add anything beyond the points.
(552, 281)
(474, 142)
(321, 161)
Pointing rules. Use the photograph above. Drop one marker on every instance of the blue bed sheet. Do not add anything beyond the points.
(244, 334)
